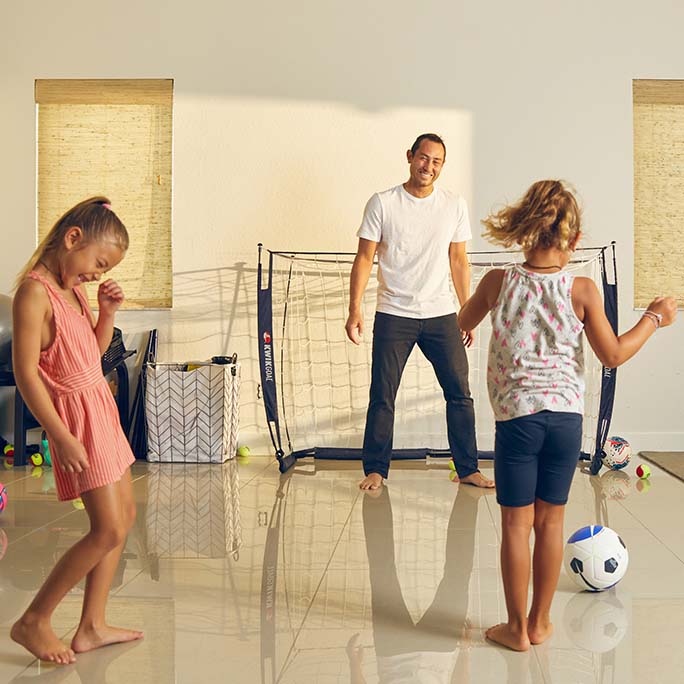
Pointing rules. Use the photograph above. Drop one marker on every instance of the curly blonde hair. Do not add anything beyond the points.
(547, 216)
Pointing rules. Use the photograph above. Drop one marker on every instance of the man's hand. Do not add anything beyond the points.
(354, 327)
(468, 337)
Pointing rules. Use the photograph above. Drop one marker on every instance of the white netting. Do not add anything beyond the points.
(323, 379)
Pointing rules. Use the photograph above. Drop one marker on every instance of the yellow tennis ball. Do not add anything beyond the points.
(643, 471)
(78, 504)
(452, 465)
(243, 452)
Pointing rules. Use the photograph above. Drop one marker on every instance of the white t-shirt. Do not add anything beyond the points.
(414, 235)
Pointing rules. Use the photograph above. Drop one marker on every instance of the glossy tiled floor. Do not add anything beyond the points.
(238, 575)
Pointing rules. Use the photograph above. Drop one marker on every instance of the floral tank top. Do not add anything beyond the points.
(536, 360)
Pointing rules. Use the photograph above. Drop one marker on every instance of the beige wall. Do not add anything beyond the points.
(288, 116)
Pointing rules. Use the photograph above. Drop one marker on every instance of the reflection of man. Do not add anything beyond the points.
(427, 651)
(419, 233)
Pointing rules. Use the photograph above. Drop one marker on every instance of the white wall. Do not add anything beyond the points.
(288, 116)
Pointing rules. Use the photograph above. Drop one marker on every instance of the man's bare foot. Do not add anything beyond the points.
(88, 639)
(372, 481)
(37, 637)
(504, 635)
(539, 632)
(477, 479)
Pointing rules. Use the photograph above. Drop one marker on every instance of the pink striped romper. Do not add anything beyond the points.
(70, 368)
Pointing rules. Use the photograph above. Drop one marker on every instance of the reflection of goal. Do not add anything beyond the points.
(315, 383)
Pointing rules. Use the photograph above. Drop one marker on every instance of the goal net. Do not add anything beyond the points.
(315, 383)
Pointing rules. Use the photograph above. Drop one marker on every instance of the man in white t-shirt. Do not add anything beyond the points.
(419, 233)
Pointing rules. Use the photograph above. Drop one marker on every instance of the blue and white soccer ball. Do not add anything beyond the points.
(596, 558)
(616, 453)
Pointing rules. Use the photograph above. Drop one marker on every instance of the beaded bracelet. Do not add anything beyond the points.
(656, 318)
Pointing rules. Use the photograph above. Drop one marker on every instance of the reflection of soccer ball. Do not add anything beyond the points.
(616, 453)
(595, 623)
(596, 558)
(616, 484)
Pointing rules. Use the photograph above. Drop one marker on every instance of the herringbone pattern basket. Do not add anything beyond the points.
(192, 416)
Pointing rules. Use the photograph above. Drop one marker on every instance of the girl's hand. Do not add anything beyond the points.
(110, 297)
(666, 307)
(72, 455)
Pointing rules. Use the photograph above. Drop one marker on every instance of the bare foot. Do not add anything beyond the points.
(88, 639)
(504, 635)
(539, 632)
(372, 481)
(37, 637)
(477, 479)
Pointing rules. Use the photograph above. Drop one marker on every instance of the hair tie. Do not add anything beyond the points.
(107, 206)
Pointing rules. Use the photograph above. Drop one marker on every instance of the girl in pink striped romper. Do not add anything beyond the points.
(57, 346)
(539, 314)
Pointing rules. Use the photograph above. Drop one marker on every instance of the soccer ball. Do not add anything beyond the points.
(616, 453)
(596, 558)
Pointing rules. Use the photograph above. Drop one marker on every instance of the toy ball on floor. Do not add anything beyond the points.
(3, 497)
(616, 453)
(243, 454)
(596, 558)
(643, 471)
(37, 459)
(78, 504)
(452, 465)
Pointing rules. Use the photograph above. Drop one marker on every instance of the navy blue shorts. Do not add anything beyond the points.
(535, 457)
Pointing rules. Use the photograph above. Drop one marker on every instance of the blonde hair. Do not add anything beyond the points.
(547, 216)
(96, 220)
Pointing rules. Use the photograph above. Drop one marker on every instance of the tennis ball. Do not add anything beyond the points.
(453, 476)
(243, 452)
(452, 465)
(7, 448)
(643, 471)
(78, 504)
(37, 459)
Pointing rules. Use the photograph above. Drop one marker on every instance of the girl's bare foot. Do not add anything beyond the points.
(477, 479)
(37, 637)
(504, 635)
(90, 638)
(539, 632)
(372, 481)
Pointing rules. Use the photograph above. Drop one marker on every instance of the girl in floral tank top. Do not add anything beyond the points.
(539, 313)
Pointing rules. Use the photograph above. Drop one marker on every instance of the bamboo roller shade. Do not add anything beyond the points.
(658, 190)
(112, 138)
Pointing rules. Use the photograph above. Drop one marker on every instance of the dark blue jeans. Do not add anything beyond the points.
(440, 340)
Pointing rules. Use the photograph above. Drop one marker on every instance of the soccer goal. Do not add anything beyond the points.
(315, 383)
